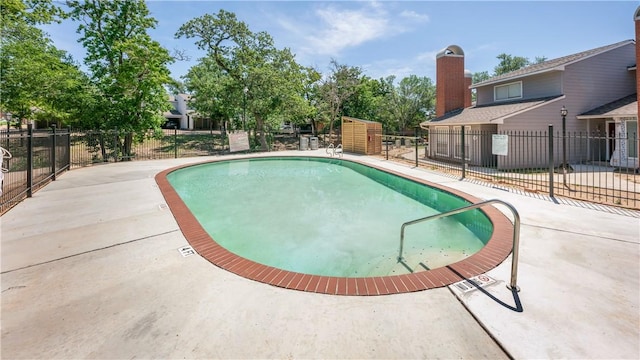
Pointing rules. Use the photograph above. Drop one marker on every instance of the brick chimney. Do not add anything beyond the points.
(636, 19)
(452, 82)
(468, 79)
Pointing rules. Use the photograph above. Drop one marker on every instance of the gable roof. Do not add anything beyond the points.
(488, 114)
(551, 65)
(624, 107)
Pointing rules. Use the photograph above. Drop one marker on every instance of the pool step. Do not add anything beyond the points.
(403, 268)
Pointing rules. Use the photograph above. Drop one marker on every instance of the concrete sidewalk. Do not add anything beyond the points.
(90, 269)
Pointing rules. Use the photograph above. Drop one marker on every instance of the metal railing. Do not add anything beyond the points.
(38, 157)
(597, 167)
(333, 150)
(516, 234)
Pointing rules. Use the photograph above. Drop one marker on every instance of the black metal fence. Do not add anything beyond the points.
(93, 147)
(577, 165)
(37, 157)
(594, 167)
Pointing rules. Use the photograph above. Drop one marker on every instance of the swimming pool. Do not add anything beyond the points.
(335, 221)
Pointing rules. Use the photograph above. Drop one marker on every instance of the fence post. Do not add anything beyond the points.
(464, 170)
(68, 157)
(386, 141)
(175, 141)
(115, 144)
(551, 160)
(416, 140)
(53, 152)
(30, 160)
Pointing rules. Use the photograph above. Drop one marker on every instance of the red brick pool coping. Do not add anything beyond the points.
(491, 255)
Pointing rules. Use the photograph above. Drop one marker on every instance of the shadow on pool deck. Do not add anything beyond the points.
(91, 268)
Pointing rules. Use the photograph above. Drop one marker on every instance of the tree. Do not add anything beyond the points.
(480, 76)
(310, 92)
(273, 80)
(367, 101)
(36, 79)
(128, 68)
(175, 86)
(509, 63)
(336, 88)
(411, 102)
(215, 92)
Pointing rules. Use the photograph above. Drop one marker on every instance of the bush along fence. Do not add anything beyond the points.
(593, 167)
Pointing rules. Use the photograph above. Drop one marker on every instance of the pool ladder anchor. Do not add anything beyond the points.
(516, 235)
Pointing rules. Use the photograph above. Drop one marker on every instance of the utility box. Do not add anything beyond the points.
(361, 136)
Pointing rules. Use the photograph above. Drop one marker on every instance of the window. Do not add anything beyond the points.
(442, 140)
(457, 149)
(632, 138)
(508, 91)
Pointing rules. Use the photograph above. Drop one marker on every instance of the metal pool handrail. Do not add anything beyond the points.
(333, 150)
(516, 233)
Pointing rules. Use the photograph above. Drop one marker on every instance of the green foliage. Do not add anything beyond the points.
(128, 68)
(480, 76)
(409, 103)
(252, 73)
(366, 101)
(215, 92)
(36, 79)
(336, 88)
(509, 63)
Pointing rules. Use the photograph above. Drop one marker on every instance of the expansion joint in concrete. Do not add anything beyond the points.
(90, 251)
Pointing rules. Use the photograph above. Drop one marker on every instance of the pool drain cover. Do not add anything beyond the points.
(186, 251)
(479, 281)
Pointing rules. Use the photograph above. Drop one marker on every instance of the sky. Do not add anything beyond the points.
(398, 38)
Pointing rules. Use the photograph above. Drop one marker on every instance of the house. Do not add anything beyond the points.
(181, 115)
(597, 87)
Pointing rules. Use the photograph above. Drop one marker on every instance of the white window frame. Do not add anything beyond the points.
(509, 97)
(456, 142)
(442, 135)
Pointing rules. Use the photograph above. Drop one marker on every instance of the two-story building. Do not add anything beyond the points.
(597, 87)
(181, 115)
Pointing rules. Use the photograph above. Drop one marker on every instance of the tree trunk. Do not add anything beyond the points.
(331, 122)
(260, 127)
(128, 142)
(103, 148)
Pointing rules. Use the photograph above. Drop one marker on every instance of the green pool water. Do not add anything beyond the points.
(326, 216)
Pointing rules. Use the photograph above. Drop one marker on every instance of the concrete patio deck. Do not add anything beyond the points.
(91, 269)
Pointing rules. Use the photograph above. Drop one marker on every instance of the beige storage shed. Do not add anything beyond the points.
(361, 136)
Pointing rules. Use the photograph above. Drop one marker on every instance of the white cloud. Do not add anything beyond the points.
(327, 31)
(412, 15)
(422, 64)
(346, 28)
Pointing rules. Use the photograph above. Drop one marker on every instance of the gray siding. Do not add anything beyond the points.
(543, 85)
(600, 79)
(587, 84)
(533, 87)
(484, 95)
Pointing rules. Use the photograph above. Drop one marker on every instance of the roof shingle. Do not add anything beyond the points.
(487, 114)
(550, 65)
(626, 106)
